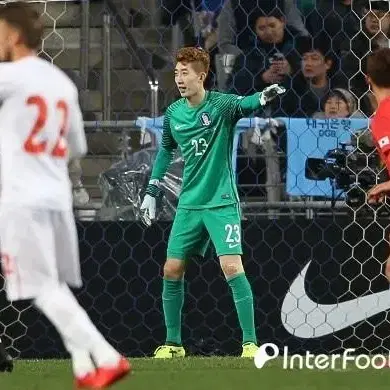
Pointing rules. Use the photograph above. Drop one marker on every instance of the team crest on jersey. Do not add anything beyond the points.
(205, 119)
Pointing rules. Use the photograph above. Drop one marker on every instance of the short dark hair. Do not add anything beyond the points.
(24, 17)
(196, 56)
(378, 67)
(267, 11)
(376, 5)
(321, 43)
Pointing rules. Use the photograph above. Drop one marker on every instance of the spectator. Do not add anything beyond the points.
(337, 19)
(375, 34)
(207, 35)
(207, 23)
(315, 79)
(271, 60)
(174, 12)
(234, 31)
(339, 103)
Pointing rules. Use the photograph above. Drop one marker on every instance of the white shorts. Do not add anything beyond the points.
(38, 247)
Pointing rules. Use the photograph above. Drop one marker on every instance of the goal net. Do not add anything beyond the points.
(316, 261)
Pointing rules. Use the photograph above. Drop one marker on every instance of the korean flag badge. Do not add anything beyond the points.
(205, 119)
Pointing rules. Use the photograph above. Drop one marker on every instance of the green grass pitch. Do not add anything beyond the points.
(198, 374)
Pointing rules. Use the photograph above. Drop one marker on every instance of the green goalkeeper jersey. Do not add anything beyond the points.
(204, 135)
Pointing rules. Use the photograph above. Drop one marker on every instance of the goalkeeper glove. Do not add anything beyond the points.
(270, 93)
(149, 204)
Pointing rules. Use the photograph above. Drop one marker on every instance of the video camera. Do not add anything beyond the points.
(353, 168)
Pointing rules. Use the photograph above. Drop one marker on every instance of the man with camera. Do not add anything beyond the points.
(270, 59)
(378, 77)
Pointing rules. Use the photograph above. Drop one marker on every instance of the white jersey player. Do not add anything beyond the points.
(41, 128)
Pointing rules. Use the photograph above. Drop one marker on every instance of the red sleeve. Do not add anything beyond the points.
(380, 128)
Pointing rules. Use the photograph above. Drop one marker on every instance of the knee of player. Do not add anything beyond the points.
(231, 267)
(174, 269)
(387, 269)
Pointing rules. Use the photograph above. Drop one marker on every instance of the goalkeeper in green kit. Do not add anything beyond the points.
(202, 124)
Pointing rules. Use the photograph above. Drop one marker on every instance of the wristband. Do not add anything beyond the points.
(153, 188)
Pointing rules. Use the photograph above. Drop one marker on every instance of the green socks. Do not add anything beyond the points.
(243, 299)
(173, 300)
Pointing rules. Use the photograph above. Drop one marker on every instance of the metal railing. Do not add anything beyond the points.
(111, 15)
(271, 207)
(84, 44)
(107, 54)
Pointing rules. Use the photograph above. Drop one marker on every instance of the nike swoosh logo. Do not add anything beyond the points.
(306, 319)
(179, 127)
(233, 245)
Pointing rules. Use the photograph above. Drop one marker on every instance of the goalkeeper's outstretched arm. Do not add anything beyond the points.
(246, 105)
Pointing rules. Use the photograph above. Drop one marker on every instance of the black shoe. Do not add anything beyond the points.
(7, 365)
(6, 362)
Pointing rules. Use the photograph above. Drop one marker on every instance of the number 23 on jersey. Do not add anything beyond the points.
(200, 145)
(35, 147)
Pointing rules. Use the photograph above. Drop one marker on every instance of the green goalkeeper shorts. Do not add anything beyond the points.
(192, 230)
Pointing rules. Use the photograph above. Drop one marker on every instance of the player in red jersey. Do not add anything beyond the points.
(378, 77)
(41, 130)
